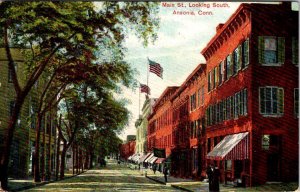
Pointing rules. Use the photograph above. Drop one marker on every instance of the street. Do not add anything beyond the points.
(113, 177)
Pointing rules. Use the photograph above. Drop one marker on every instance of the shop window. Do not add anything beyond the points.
(271, 100)
(270, 141)
(271, 50)
(228, 165)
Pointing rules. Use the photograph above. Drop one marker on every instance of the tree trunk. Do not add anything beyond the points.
(7, 144)
(91, 160)
(49, 164)
(43, 155)
(57, 158)
(77, 160)
(73, 159)
(37, 177)
(62, 162)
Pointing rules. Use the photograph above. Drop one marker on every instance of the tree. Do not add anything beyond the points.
(45, 30)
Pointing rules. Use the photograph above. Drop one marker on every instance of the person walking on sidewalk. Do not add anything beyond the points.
(154, 167)
(210, 172)
(165, 171)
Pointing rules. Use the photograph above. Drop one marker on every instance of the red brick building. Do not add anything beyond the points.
(252, 99)
(127, 149)
(240, 110)
(160, 123)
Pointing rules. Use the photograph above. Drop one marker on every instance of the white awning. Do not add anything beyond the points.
(153, 159)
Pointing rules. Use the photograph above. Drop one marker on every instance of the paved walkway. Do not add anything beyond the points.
(197, 186)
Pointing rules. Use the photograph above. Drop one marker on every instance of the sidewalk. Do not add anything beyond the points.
(196, 186)
(179, 183)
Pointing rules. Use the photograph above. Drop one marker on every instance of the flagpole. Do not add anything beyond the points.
(139, 101)
(147, 74)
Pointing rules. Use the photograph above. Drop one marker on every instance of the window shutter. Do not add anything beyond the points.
(295, 50)
(281, 50)
(280, 100)
(261, 43)
(240, 59)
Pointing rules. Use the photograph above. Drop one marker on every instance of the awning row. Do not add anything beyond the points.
(148, 158)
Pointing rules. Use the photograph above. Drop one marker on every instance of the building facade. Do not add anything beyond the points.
(22, 149)
(238, 112)
(141, 125)
(127, 149)
(250, 103)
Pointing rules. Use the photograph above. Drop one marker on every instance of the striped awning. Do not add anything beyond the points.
(152, 160)
(148, 158)
(232, 147)
(144, 157)
(160, 160)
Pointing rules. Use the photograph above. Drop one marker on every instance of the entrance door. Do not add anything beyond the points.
(273, 167)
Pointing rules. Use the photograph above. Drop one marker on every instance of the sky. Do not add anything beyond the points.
(177, 49)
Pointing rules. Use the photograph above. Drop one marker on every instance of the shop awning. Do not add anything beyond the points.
(130, 157)
(148, 158)
(160, 160)
(232, 147)
(152, 160)
(136, 158)
(144, 157)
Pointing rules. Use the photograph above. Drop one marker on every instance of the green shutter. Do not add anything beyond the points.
(261, 43)
(281, 50)
(295, 50)
(280, 100)
(240, 59)
(246, 52)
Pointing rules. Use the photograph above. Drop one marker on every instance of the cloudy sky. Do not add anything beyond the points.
(180, 41)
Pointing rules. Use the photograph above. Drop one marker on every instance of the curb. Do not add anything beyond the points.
(43, 183)
(174, 186)
(161, 182)
(181, 188)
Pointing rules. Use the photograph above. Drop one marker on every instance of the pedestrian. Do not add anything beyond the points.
(216, 176)
(165, 171)
(154, 167)
(209, 173)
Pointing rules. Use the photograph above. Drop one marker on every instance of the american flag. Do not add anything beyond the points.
(144, 88)
(155, 68)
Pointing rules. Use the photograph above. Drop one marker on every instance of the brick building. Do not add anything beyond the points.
(160, 123)
(127, 149)
(240, 110)
(252, 78)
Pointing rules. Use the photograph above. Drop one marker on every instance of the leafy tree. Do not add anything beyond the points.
(70, 30)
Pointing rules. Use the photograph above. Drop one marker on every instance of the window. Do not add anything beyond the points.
(271, 100)
(271, 50)
(245, 53)
(265, 142)
(209, 81)
(216, 75)
(296, 102)
(270, 141)
(221, 72)
(228, 66)
(193, 101)
(295, 50)
(237, 62)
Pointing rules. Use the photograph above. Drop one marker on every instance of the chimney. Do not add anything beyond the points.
(219, 27)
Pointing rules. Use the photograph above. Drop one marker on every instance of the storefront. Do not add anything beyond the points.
(231, 155)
